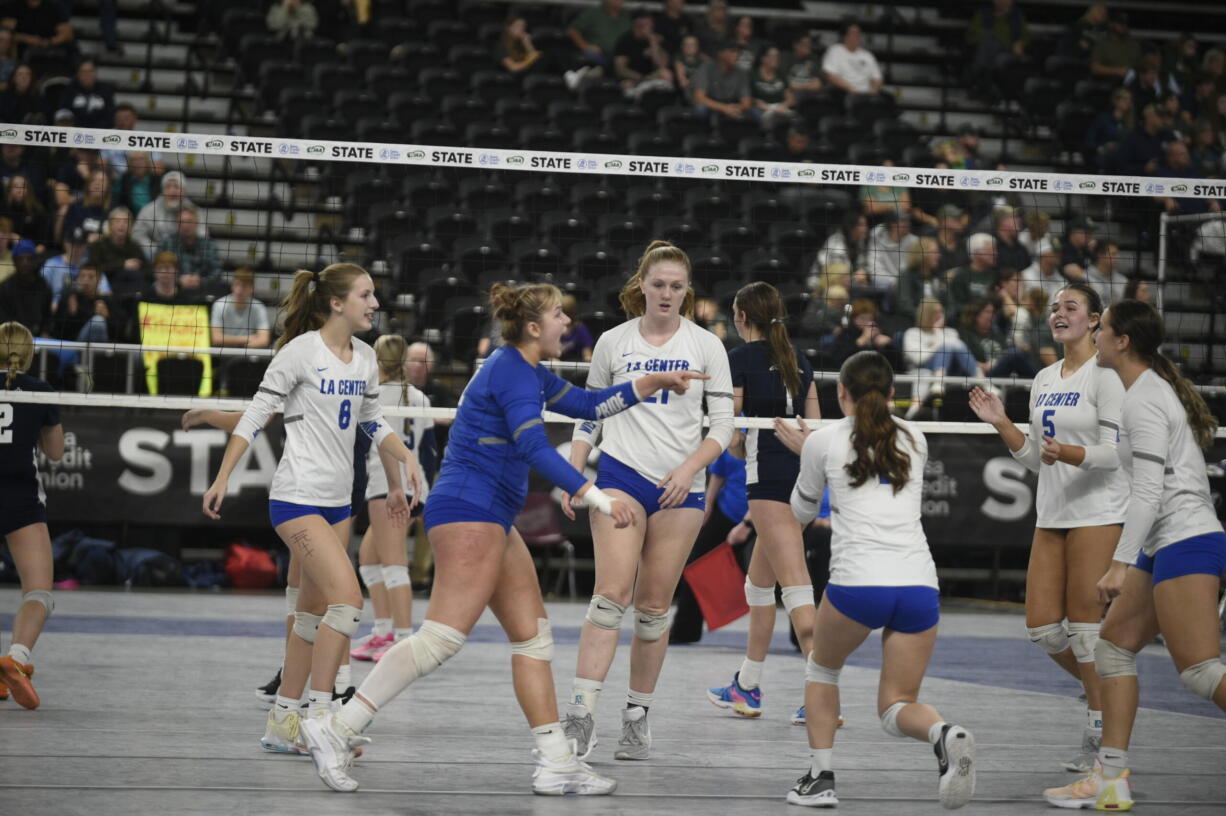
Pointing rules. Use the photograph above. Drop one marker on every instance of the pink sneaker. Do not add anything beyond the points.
(373, 644)
(377, 655)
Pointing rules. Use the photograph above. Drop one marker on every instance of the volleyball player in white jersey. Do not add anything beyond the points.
(1075, 408)
(1167, 570)
(654, 458)
(881, 577)
(386, 561)
(327, 381)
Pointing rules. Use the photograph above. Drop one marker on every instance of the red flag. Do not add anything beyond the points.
(718, 584)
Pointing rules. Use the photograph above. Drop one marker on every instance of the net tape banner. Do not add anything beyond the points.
(609, 164)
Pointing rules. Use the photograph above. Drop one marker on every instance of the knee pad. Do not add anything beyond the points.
(291, 601)
(797, 596)
(540, 647)
(40, 596)
(1081, 638)
(434, 644)
(889, 720)
(1204, 678)
(759, 596)
(306, 624)
(343, 618)
(371, 574)
(605, 614)
(648, 627)
(1052, 638)
(820, 674)
(1112, 661)
(395, 576)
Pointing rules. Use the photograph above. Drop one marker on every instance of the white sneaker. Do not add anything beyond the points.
(569, 776)
(1093, 791)
(955, 752)
(283, 736)
(636, 735)
(580, 728)
(332, 745)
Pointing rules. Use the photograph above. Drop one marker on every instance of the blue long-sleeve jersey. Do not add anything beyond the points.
(499, 433)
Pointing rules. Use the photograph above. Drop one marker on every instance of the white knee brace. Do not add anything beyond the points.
(797, 596)
(889, 720)
(1082, 637)
(540, 646)
(433, 645)
(40, 596)
(648, 627)
(820, 674)
(306, 624)
(1112, 661)
(395, 576)
(759, 596)
(1052, 638)
(604, 613)
(1204, 678)
(291, 601)
(343, 618)
(371, 574)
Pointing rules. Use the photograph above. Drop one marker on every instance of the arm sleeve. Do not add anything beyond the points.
(520, 400)
(810, 487)
(279, 380)
(370, 414)
(1105, 455)
(564, 398)
(1148, 432)
(1028, 453)
(718, 394)
(599, 376)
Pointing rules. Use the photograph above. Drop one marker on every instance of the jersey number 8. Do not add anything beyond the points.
(346, 414)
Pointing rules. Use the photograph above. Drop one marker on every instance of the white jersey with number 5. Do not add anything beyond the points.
(412, 432)
(1084, 408)
(659, 433)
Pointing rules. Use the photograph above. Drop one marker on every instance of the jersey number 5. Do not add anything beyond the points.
(346, 414)
(6, 420)
(1049, 427)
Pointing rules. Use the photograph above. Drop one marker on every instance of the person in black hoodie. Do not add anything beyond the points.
(21, 102)
(24, 296)
(92, 102)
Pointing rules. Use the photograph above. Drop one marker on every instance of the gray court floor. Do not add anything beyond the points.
(148, 707)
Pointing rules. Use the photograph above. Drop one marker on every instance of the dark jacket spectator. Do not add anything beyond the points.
(801, 66)
(1178, 164)
(21, 102)
(22, 207)
(921, 278)
(1116, 52)
(712, 28)
(39, 24)
(595, 30)
(1109, 129)
(24, 295)
(90, 212)
(196, 253)
(863, 333)
(1010, 253)
(92, 102)
(1142, 149)
(120, 258)
(998, 27)
(1077, 252)
(672, 25)
(1080, 38)
(976, 279)
(139, 185)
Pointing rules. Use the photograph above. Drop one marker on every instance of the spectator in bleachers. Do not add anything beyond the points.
(292, 19)
(932, 346)
(748, 46)
(24, 296)
(797, 147)
(846, 245)
(721, 88)
(84, 313)
(239, 319)
(577, 343)
(976, 280)
(1178, 164)
(801, 67)
(117, 159)
(139, 186)
(962, 152)
(595, 31)
(196, 252)
(1142, 149)
(516, 51)
(419, 368)
(24, 210)
(951, 237)
(1139, 289)
(863, 333)
(1038, 228)
(988, 344)
(639, 59)
(92, 102)
(1216, 115)
(771, 94)
(166, 289)
(686, 63)
(1105, 275)
(889, 244)
(1206, 152)
(7, 239)
(1175, 119)
(118, 257)
(1044, 272)
(1079, 39)
(61, 270)
(1077, 253)
(159, 219)
(1182, 59)
(40, 24)
(709, 315)
(879, 199)
(823, 315)
(712, 28)
(90, 211)
(921, 278)
(62, 199)
(1214, 65)
(1116, 52)
(8, 57)
(997, 28)
(1147, 82)
(76, 166)
(21, 102)
(849, 66)
(673, 25)
(1029, 331)
(1108, 130)
(1010, 253)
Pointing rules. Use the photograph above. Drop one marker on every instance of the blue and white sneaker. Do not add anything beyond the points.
(743, 702)
(799, 717)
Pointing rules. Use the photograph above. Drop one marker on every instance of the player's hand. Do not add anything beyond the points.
(1049, 454)
(398, 506)
(213, 498)
(987, 406)
(192, 418)
(621, 514)
(569, 503)
(792, 436)
(739, 534)
(1112, 584)
(676, 484)
(416, 483)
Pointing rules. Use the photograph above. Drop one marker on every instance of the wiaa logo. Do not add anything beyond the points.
(710, 168)
(215, 144)
(112, 139)
(806, 173)
(515, 159)
(315, 150)
(8, 134)
(1088, 185)
(995, 181)
(416, 155)
(1179, 188)
(897, 176)
(613, 164)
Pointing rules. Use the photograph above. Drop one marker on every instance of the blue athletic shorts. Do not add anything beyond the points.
(1199, 555)
(449, 510)
(21, 514)
(280, 512)
(906, 609)
(619, 476)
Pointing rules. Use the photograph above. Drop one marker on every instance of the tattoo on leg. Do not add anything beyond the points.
(303, 540)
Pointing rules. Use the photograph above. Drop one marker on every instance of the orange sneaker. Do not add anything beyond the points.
(16, 677)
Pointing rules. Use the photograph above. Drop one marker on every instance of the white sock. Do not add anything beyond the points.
(317, 700)
(585, 692)
(1113, 760)
(401, 634)
(750, 675)
(638, 698)
(283, 707)
(356, 714)
(344, 678)
(383, 627)
(1094, 720)
(820, 759)
(19, 653)
(552, 743)
(934, 733)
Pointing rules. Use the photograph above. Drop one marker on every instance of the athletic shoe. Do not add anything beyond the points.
(267, 693)
(16, 676)
(4, 689)
(332, 745)
(578, 725)
(384, 648)
(283, 736)
(366, 650)
(1091, 739)
(636, 734)
(570, 776)
(339, 699)
(799, 718)
(743, 702)
(955, 752)
(1093, 791)
(814, 791)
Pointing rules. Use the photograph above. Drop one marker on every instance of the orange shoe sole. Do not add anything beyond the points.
(17, 677)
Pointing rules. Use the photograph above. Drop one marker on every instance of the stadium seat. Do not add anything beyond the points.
(546, 88)
(490, 86)
(448, 33)
(595, 199)
(426, 11)
(254, 50)
(365, 54)
(591, 261)
(650, 201)
(707, 146)
(415, 255)
(179, 376)
(477, 255)
(507, 227)
(601, 92)
(379, 130)
(707, 205)
(351, 105)
(765, 207)
(841, 131)
(709, 268)
(437, 83)
(622, 119)
(540, 195)
(868, 108)
(895, 136)
(385, 80)
(764, 265)
(682, 231)
(237, 23)
(826, 207)
(416, 57)
(814, 108)
(480, 13)
(733, 130)
(325, 128)
(1094, 93)
(463, 329)
(515, 113)
(396, 30)
(434, 132)
(464, 109)
(406, 107)
(331, 77)
(275, 76)
(479, 193)
(468, 58)
(679, 121)
(734, 238)
(536, 260)
(795, 241)
(544, 137)
(653, 100)
(1073, 121)
(564, 230)
(570, 116)
(653, 144)
(595, 140)
(608, 288)
(295, 103)
(599, 321)
(314, 50)
(759, 148)
(867, 153)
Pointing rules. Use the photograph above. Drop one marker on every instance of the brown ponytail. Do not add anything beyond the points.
(868, 378)
(517, 306)
(632, 299)
(308, 304)
(763, 308)
(16, 349)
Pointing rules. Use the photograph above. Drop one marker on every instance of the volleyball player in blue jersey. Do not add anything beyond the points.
(480, 560)
(24, 428)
